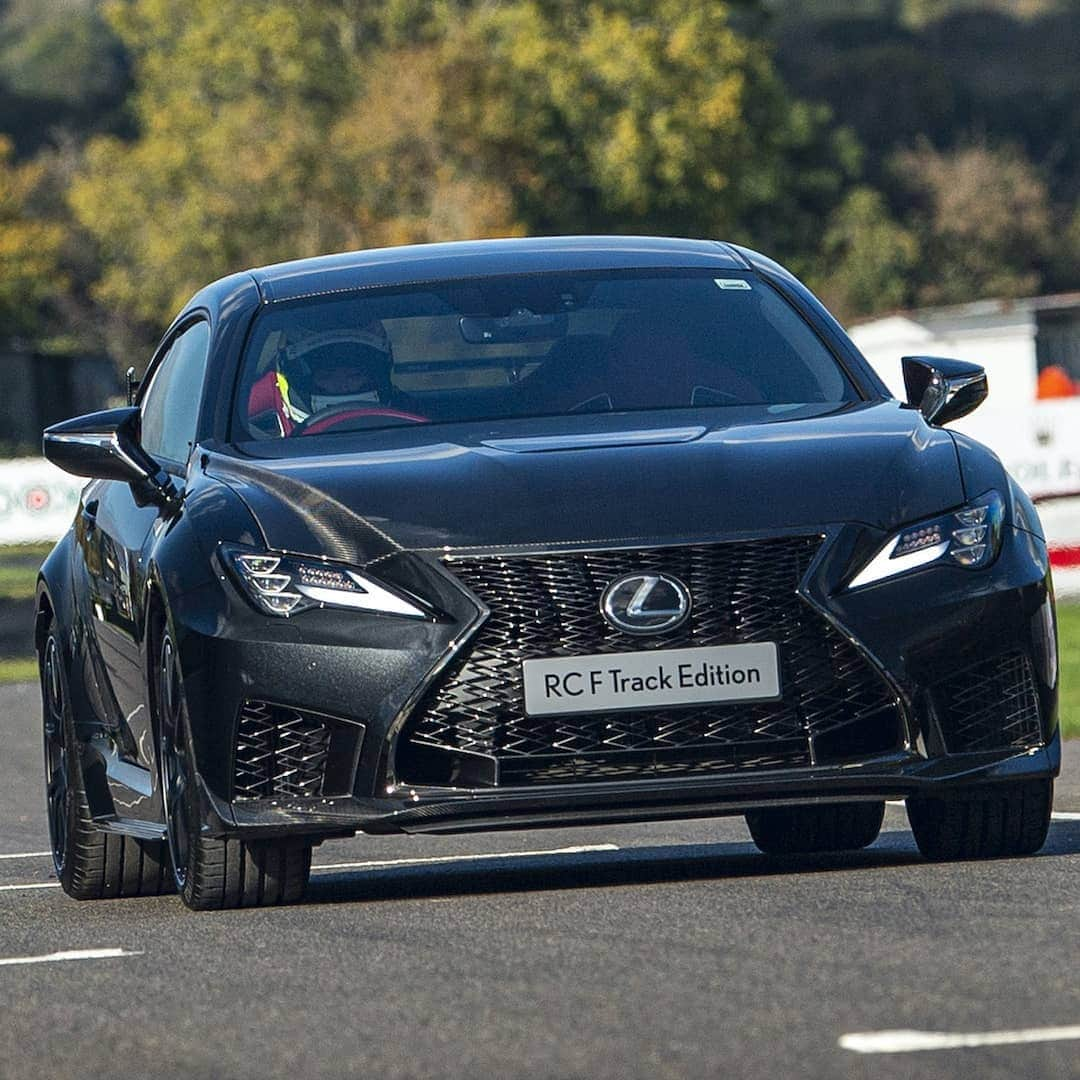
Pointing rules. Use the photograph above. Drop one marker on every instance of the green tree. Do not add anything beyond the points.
(270, 130)
(630, 115)
(912, 12)
(983, 219)
(62, 70)
(867, 257)
(1068, 255)
(232, 100)
(30, 248)
(389, 174)
(60, 49)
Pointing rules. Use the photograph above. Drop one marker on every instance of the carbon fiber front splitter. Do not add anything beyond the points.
(443, 810)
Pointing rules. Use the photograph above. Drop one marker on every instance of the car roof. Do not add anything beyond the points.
(327, 274)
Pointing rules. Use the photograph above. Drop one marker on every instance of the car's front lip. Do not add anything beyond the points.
(448, 810)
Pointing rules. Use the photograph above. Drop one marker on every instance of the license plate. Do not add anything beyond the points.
(646, 680)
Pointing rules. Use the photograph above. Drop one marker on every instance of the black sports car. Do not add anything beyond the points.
(526, 533)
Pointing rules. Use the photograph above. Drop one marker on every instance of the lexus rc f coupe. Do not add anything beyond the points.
(527, 533)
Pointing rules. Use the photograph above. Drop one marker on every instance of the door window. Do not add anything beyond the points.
(170, 406)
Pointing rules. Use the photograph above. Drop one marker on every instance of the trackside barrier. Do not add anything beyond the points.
(37, 500)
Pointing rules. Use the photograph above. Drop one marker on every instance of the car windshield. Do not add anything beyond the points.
(528, 346)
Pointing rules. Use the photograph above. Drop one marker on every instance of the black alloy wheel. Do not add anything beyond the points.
(90, 864)
(212, 873)
(58, 792)
(175, 773)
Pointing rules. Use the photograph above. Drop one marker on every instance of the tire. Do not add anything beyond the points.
(212, 873)
(804, 830)
(90, 864)
(995, 822)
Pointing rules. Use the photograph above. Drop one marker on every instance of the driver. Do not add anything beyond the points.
(331, 371)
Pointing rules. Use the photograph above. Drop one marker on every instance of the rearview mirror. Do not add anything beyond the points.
(941, 389)
(105, 446)
(519, 327)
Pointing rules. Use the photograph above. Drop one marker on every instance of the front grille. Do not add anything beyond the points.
(549, 606)
(992, 705)
(280, 752)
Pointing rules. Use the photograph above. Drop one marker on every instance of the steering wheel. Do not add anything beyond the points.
(333, 415)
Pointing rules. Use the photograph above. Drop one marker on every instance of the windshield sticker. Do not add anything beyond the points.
(732, 283)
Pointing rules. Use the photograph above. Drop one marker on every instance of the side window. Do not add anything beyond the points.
(170, 406)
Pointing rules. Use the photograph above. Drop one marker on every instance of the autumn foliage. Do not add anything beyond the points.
(233, 133)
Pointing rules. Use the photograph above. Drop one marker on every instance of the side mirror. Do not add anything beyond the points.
(943, 390)
(105, 446)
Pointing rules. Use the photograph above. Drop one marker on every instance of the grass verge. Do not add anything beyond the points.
(18, 569)
(13, 671)
(1069, 652)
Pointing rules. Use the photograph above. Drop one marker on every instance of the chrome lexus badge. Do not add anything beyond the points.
(645, 603)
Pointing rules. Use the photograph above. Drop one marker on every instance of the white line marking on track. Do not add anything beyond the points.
(71, 954)
(904, 1042)
(1057, 815)
(376, 865)
(28, 855)
(379, 864)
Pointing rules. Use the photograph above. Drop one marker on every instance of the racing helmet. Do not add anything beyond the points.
(337, 368)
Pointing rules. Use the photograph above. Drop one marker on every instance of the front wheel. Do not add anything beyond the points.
(813, 829)
(992, 822)
(90, 864)
(210, 872)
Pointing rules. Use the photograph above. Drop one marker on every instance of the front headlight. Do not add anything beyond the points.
(286, 585)
(970, 538)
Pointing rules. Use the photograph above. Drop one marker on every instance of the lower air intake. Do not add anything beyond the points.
(992, 705)
(280, 752)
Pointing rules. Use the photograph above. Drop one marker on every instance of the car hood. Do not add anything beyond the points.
(604, 479)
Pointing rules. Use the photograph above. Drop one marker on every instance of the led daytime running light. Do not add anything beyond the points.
(284, 585)
(969, 538)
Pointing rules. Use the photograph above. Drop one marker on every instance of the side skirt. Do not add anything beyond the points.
(141, 830)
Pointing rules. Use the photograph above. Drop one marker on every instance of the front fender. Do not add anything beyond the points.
(182, 591)
(981, 470)
(54, 592)
(55, 604)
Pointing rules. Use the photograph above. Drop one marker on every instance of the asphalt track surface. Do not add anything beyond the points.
(670, 950)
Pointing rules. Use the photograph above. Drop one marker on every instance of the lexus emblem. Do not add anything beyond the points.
(645, 603)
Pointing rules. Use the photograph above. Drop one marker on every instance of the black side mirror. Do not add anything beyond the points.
(943, 390)
(105, 446)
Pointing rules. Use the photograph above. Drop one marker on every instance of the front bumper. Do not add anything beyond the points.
(914, 630)
(896, 776)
